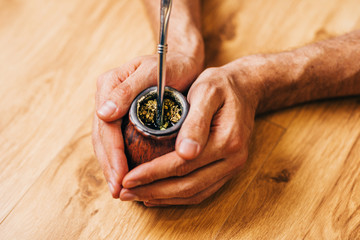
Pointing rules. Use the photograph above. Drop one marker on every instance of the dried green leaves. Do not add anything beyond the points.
(172, 113)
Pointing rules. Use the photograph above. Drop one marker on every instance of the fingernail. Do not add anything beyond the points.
(108, 108)
(128, 197)
(111, 187)
(148, 204)
(131, 184)
(189, 148)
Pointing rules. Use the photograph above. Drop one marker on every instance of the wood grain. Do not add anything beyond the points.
(302, 177)
(48, 85)
(140, 148)
(248, 27)
(308, 176)
(71, 200)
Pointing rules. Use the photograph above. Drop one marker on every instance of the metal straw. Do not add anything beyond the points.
(165, 10)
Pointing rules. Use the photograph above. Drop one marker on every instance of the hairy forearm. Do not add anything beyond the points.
(325, 69)
(184, 31)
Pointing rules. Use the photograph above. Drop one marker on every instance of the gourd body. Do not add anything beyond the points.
(143, 144)
(140, 148)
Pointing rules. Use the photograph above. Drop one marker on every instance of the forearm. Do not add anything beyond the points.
(184, 31)
(324, 69)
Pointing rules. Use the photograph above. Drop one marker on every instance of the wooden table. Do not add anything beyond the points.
(301, 179)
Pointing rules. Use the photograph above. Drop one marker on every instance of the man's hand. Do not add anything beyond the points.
(211, 147)
(213, 142)
(116, 90)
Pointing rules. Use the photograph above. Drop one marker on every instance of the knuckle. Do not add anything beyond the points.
(123, 92)
(188, 190)
(212, 89)
(209, 85)
(214, 72)
(198, 125)
(153, 65)
(234, 144)
(151, 196)
(137, 60)
(111, 77)
(209, 72)
(182, 168)
(151, 176)
(209, 88)
(214, 92)
(150, 64)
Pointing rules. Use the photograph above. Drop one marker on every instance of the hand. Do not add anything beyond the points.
(116, 90)
(211, 146)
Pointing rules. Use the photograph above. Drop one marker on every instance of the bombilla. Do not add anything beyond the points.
(165, 10)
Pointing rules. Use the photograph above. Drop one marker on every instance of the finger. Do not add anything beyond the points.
(102, 158)
(171, 164)
(183, 187)
(111, 79)
(113, 144)
(159, 168)
(118, 101)
(196, 199)
(195, 130)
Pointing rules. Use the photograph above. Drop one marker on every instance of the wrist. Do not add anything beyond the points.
(281, 83)
(267, 78)
(246, 75)
(190, 45)
(316, 71)
(184, 30)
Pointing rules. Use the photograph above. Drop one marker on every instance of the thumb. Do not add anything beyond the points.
(118, 102)
(195, 130)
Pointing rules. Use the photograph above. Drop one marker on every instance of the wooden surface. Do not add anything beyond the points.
(301, 179)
